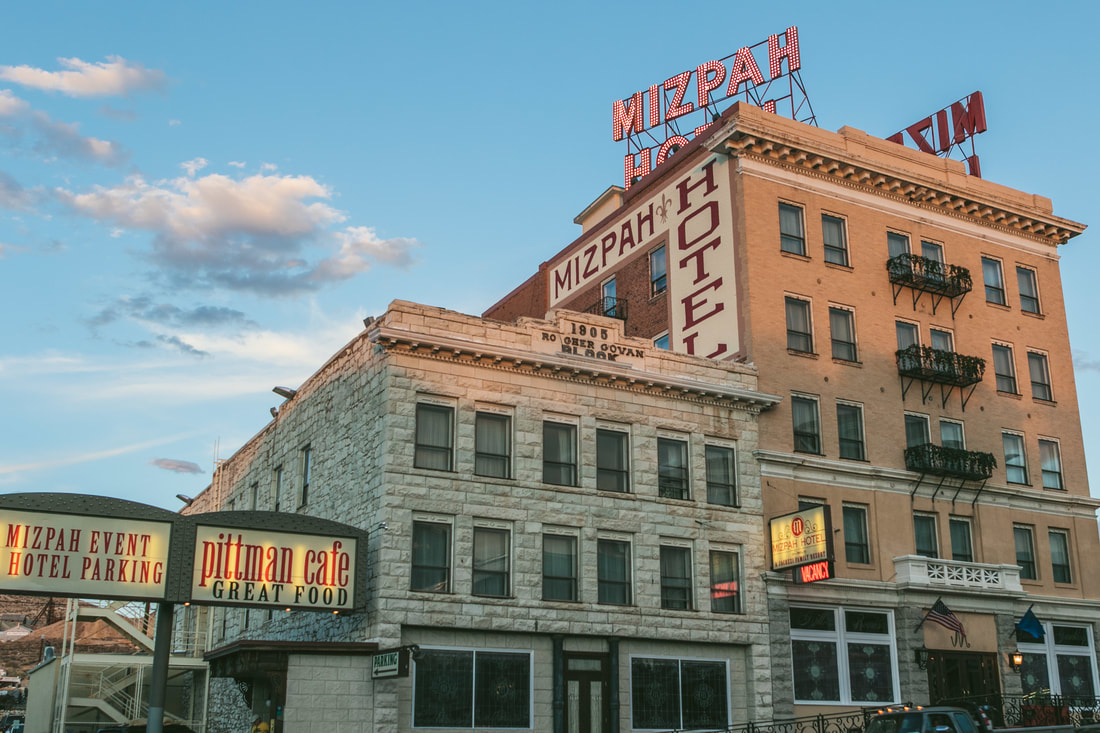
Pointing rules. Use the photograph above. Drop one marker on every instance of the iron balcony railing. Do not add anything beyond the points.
(833, 723)
(1034, 709)
(935, 460)
(929, 275)
(610, 307)
(941, 367)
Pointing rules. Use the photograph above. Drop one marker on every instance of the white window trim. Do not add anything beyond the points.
(810, 311)
(855, 330)
(1050, 379)
(927, 421)
(960, 423)
(968, 521)
(862, 429)
(1004, 285)
(1027, 463)
(1050, 650)
(841, 637)
(1038, 293)
(916, 324)
(935, 534)
(632, 585)
(898, 232)
(942, 329)
(847, 242)
(866, 509)
(658, 337)
(649, 261)
(425, 518)
(805, 234)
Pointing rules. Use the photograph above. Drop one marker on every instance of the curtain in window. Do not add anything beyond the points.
(491, 438)
(806, 430)
(1025, 554)
(559, 568)
(916, 431)
(559, 454)
(849, 427)
(951, 435)
(925, 530)
(1052, 464)
(898, 244)
(855, 535)
(490, 562)
(798, 325)
(672, 474)
(433, 437)
(675, 577)
(1015, 461)
(721, 485)
(613, 571)
(1059, 557)
(611, 460)
(430, 552)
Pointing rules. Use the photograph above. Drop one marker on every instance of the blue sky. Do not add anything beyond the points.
(200, 201)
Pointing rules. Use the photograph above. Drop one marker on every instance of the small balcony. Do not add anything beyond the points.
(610, 307)
(924, 275)
(916, 570)
(935, 460)
(945, 368)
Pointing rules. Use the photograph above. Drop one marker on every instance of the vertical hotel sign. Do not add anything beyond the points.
(801, 538)
(82, 555)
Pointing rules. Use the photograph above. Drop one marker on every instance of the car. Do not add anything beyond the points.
(922, 719)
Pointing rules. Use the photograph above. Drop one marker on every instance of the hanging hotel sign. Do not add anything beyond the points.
(83, 555)
(253, 567)
(697, 94)
(801, 538)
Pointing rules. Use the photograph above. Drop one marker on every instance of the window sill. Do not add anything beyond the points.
(848, 362)
(999, 306)
(804, 354)
(1013, 395)
(654, 296)
(1041, 401)
(436, 470)
(838, 266)
(794, 255)
(1029, 314)
(807, 453)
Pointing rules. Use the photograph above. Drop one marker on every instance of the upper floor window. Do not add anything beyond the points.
(962, 547)
(1025, 551)
(849, 428)
(857, 545)
(1004, 368)
(559, 454)
(932, 251)
(253, 496)
(1029, 290)
(559, 567)
(276, 488)
(307, 467)
(842, 329)
(917, 431)
(1059, 556)
(941, 340)
(791, 236)
(612, 460)
(661, 342)
(835, 239)
(807, 424)
(725, 582)
(613, 571)
(492, 445)
(672, 468)
(721, 475)
(994, 281)
(800, 335)
(908, 334)
(897, 244)
(924, 530)
(1040, 376)
(1015, 458)
(431, 557)
(1051, 459)
(434, 436)
(951, 434)
(491, 561)
(676, 578)
(658, 271)
(610, 301)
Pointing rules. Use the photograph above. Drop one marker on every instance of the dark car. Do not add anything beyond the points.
(919, 719)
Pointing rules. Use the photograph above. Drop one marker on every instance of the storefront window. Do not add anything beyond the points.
(1062, 663)
(843, 655)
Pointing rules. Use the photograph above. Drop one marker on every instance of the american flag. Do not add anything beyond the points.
(942, 615)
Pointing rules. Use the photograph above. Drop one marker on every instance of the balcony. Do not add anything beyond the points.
(935, 460)
(916, 570)
(945, 368)
(924, 275)
(610, 307)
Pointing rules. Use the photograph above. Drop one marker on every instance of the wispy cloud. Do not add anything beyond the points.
(171, 464)
(52, 138)
(194, 166)
(113, 77)
(86, 457)
(145, 309)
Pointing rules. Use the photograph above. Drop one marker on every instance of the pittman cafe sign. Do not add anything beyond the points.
(100, 547)
(803, 541)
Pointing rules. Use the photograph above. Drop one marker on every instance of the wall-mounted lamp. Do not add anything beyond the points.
(185, 499)
(274, 412)
(922, 656)
(1017, 660)
(285, 392)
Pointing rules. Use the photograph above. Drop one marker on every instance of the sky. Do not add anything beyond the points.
(201, 201)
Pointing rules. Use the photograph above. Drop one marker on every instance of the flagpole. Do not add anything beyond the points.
(938, 599)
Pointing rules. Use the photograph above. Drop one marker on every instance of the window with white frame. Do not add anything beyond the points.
(472, 688)
(897, 244)
(932, 251)
(661, 341)
(612, 460)
(1039, 370)
(725, 581)
(835, 239)
(1050, 456)
(843, 655)
(1061, 663)
(941, 340)
(492, 560)
(658, 271)
(434, 436)
(679, 694)
(994, 281)
(431, 555)
(610, 305)
(962, 542)
(493, 444)
(857, 544)
(1029, 290)
(908, 334)
(676, 577)
(721, 469)
(925, 535)
(849, 430)
(1024, 540)
(951, 434)
(842, 332)
(1059, 556)
(807, 424)
(1015, 458)
(800, 335)
(1004, 368)
(792, 237)
(916, 430)
(672, 468)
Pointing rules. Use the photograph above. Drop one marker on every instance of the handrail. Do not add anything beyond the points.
(943, 367)
(936, 460)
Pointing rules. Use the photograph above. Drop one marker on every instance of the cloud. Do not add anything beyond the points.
(123, 115)
(358, 246)
(174, 123)
(182, 345)
(171, 464)
(11, 105)
(160, 316)
(113, 77)
(1083, 363)
(14, 196)
(237, 163)
(64, 140)
(194, 166)
(87, 457)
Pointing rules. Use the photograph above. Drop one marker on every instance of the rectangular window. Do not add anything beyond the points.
(1029, 290)
(678, 694)
(941, 340)
(613, 571)
(610, 306)
(908, 334)
(661, 342)
(1059, 556)
(492, 445)
(916, 430)
(491, 561)
(1025, 551)
(721, 475)
(725, 582)
(897, 244)
(1015, 458)
(932, 251)
(924, 531)
(951, 435)
(612, 460)
(842, 329)
(306, 463)
(1004, 367)
(800, 335)
(791, 237)
(254, 496)
(276, 489)
(857, 546)
(994, 281)
(1050, 457)
(1061, 663)
(559, 454)
(658, 271)
(845, 656)
(559, 568)
(849, 428)
(807, 424)
(672, 468)
(962, 546)
(458, 688)
(431, 557)
(836, 241)
(676, 578)
(434, 436)
(1040, 376)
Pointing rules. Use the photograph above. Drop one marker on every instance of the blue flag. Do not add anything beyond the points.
(1031, 625)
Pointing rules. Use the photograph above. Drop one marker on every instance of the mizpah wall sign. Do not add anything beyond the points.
(801, 538)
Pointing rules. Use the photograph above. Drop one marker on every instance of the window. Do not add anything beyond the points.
(303, 495)
(1061, 663)
(941, 340)
(962, 545)
(897, 244)
(661, 342)
(721, 475)
(924, 531)
(916, 430)
(559, 454)
(672, 468)
(807, 425)
(800, 335)
(460, 688)
(276, 488)
(559, 568)
(931, 251)
(791, 237)
(1040, 376)
(849, 429)
(1025, 551)
(951, 435)
(1004, 368)
(434, 436)
(492, 445)
(1051, 459)
(857, 546)
(1029, 290)
(836, 242)
(1015, 458)
(725, 582)
(842, 329)
(431, 557)
(845, 655)
(491, 555)
(676, 578)
(908, 334)
(658, 271)
(678, 694)
(1059, 556)
(612, 460)
(613, 571)
(253, 496)
(994, 281)
(610, 305)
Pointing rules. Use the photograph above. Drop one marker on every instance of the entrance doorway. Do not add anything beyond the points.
(586, 686)
(962, 674)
